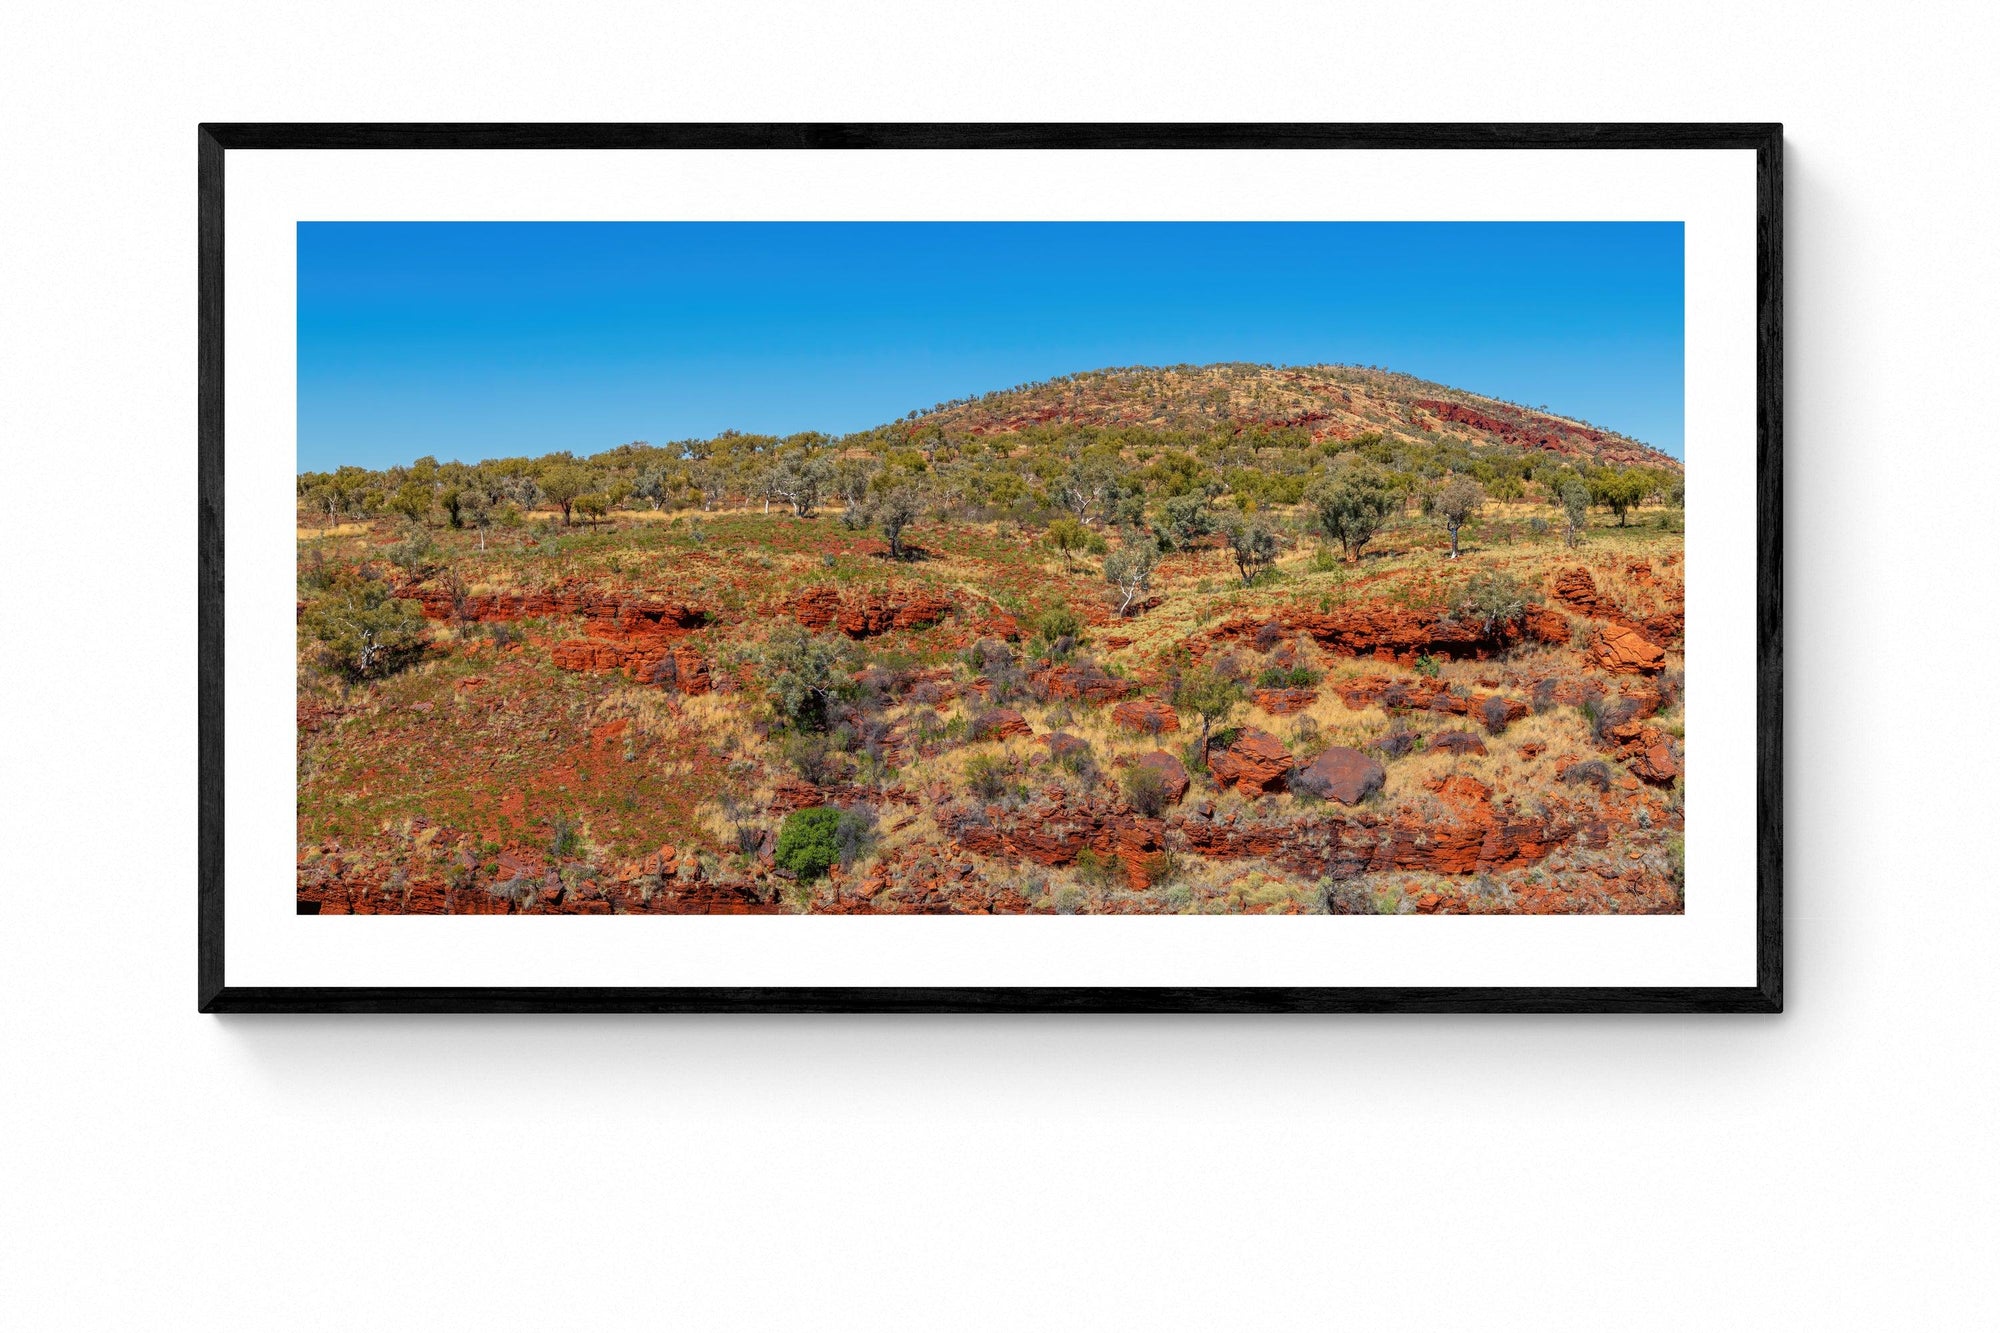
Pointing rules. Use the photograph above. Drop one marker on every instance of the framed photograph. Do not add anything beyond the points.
(990, 567)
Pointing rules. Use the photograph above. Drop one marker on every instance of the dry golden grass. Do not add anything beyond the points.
(317, 533)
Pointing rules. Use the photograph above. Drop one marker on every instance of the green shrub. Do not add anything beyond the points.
(1187, 518)
(815, 758)
(1097, 870)
(1347, 898)
(804, 673)
(986, 776)
(415, 554)
(1254, 547)
(564, 837)
(362, 630)
(1495, 602)
(1288, 678)
(1058, 632)
(809, 842)
(1146, 789)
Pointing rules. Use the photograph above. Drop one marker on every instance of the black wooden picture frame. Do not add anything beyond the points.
(1765, 996)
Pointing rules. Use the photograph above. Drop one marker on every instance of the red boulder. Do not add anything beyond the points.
(1253, 762)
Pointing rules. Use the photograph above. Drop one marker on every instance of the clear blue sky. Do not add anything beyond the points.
(481, 340)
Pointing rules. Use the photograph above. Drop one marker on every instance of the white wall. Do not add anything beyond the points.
(1832, 1168)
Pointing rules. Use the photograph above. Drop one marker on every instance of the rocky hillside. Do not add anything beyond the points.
(1198, 639)
(620, 720)
(1326, 402)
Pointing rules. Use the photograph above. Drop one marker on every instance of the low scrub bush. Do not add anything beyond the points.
(415, 554)
(1288, 678)
(987, 776)
(809, 842)
(1058, 633)
(1494, 602)
(1345, 897)
(564, 837)
(1073, 755)
(854, 836)
(1098, 870)
(1146, 790)
(815, 758)
(1591, 772)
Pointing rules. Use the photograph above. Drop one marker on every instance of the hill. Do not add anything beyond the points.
(1328, 402)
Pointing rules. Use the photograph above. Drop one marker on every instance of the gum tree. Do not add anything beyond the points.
(1576, 510)
(1619, 491)
(1129, 569)
(1068, 537)
(1352, 505)
(563, 485)
(363, 631)
(1455, 502)
(895, 508)
(1210, 696)
(1253, 545)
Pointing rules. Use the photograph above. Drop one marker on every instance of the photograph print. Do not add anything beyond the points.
(1022, 568)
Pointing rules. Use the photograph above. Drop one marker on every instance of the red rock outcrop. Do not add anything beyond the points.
(1469, 836)
(1283, 703)
(790, 793)
(1253, 762)
(1533, 430)
(1619, 649)
(1458, 742)
(1472, 837)
(1620, 715)
(1544, 624)
(337, 885)
(914, 881)
(1173, 774)
(859, 617)
(606, 615)
(1341, 774)
(1391, 632)
(1577, 590)
(1083, 681)
(1148, 717)
(998, 625)
(997, 724)
(1423, 694)
(1654, 760)
(638, 636)
(1051, 833)
(1564, 691)
(1379, 629)
(652, 662)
